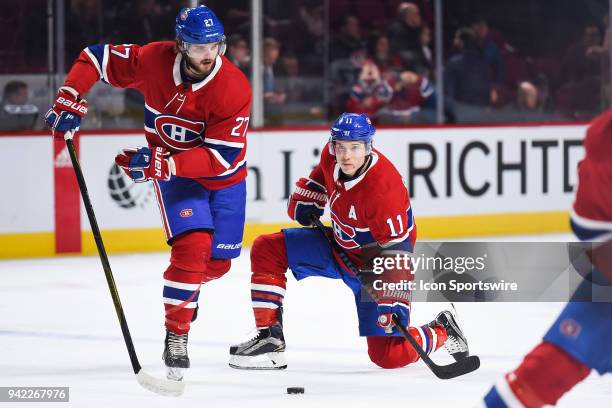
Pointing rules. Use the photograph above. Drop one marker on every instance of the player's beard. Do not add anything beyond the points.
(198, 69)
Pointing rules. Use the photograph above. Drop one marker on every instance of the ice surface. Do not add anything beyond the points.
(58, 328)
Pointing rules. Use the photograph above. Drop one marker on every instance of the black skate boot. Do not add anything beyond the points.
(456, 344)
(265, 351)
(175, 355)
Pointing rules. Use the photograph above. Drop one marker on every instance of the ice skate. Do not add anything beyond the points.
(265, 351)
(175, 355)
(456, 344)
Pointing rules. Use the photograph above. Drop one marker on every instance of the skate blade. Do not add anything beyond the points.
(175, 373)
(268, 361)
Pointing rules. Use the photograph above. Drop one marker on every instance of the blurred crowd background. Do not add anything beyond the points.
(504, 61)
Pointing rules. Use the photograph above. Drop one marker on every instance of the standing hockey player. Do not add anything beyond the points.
(370, 211)
(197, 107)
(580, 339)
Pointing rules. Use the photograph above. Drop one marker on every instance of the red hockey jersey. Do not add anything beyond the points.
(374, 207)
(203, 124)
(592, 208)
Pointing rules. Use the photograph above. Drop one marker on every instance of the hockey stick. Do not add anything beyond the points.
(461, 367)
(159, 386)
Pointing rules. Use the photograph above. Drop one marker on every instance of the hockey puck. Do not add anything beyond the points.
(295, 390)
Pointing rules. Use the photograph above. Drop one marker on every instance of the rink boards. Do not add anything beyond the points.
(464, 181)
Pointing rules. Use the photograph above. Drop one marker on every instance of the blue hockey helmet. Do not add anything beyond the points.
(355, 127)
(199, 25)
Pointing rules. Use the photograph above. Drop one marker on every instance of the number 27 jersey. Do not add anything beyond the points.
(202, 123)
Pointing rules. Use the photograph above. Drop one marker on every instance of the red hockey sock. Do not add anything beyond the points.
(396, 352)
(216, 268)
(181, 293)
(182, 279)
(545, 374)
(434, 338)
(268, 282)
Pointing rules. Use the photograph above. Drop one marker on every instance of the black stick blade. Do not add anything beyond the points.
(461, 367)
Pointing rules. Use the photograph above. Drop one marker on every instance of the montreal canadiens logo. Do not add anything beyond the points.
(188, 212)
(344, 233)
(179, 133)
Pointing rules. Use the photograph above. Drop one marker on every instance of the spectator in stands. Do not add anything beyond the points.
(273, 94)
(238, 53)
(577, 63)
(468, 85)
(406, 39)
(388, 62)
(527, 97)
(303, 104)
(15, 93)
(370, 93)
(602, 50)
(348, 43)
(580, 97)
(17, 113)
(413, 101)
(292, 81)
(530, 104)
(490, 50)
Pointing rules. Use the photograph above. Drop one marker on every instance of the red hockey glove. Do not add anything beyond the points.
(142, 164)
(308, 199)
(66, 113)
(394, 303)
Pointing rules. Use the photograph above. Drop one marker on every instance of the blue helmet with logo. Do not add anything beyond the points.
(355, 127)
(199, 25)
